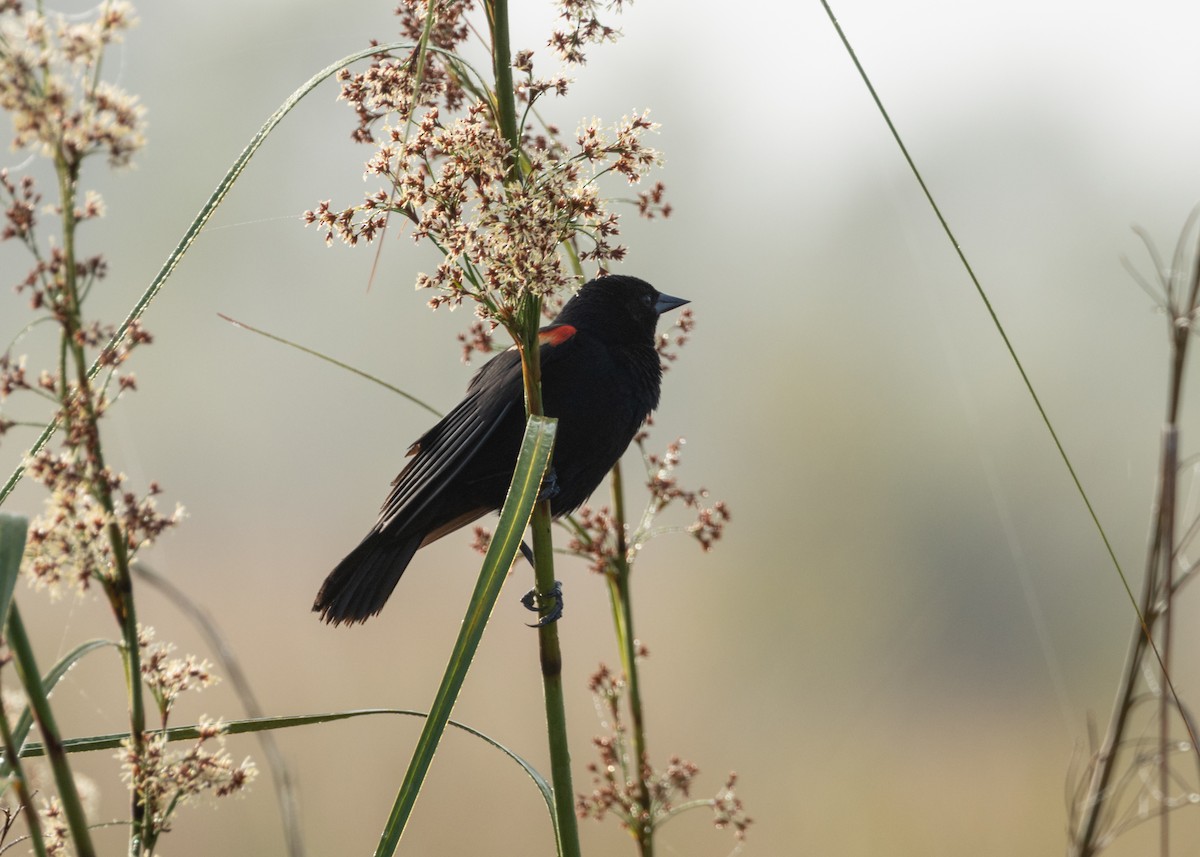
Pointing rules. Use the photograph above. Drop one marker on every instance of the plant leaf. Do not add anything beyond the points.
(287, 721)
(25, 720)
(12, 547)
(536, 447)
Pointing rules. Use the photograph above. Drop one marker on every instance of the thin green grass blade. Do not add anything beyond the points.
(536, 447)
(264, 724)
(198, 224)
(12, 547)
(987, 303)
(338, 363)
(24, 721)
(37, 693)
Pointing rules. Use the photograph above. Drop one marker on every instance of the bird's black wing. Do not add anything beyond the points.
(443, 451)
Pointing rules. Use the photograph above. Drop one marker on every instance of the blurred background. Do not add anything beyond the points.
(910, 623)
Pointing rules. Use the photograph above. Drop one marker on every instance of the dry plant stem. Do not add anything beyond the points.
(1157, 593)
(622, 606)
(119, 587)
(1166, 522)
(43, 715)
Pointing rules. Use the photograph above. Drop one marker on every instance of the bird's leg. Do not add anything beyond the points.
(549, 489)
(552, 609)
(549, 607)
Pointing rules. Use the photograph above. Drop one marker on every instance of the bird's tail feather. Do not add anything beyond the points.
(360, 584)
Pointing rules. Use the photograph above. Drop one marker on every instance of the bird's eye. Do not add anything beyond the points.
(648, 300)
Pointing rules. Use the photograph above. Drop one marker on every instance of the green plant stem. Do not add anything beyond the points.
(549, 648)
(550, 659)
(526, 335)
(31, 680)
(506, 105)
(537, 446)
(620, 593)
(119, 587)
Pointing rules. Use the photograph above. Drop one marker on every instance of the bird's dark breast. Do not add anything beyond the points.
(597, 418)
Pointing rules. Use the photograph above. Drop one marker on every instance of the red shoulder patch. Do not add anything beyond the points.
(555, 334)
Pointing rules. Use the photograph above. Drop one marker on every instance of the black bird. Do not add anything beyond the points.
(600, 377)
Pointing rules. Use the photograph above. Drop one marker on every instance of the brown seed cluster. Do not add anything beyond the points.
(165, 779)
(580, 27)
(165, 776)
(615, 788)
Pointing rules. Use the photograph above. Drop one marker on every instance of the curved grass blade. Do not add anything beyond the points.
(338, 363)
(193, 230)
(1026, 380)
(536, 447)
(12, 546)
(25, 720)
(264, 724)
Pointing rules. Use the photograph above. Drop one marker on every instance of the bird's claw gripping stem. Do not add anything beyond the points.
(550, 488)
(548, 606)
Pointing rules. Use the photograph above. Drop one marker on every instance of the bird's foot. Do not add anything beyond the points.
(527, 552)
(548, 606)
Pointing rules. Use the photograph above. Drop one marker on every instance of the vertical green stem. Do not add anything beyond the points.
(549, 649)
(31, 680)
(118, 588)
(526, 335)
(622, 604)
(506, 105)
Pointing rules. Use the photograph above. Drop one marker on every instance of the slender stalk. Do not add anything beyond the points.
(1156, 601)
(526, 335)
(549, 648)
(622, 603)
(1163, 603)
(118, 588)
(31, 680)
(506, 105)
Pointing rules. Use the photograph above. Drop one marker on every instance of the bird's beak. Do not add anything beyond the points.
(666, 303)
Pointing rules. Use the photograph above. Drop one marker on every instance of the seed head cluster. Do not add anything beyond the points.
(164, 779)
(507, 222)
(166, 775)
(596, 535)
(50, 86)
(614, 787)
(93, 523)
